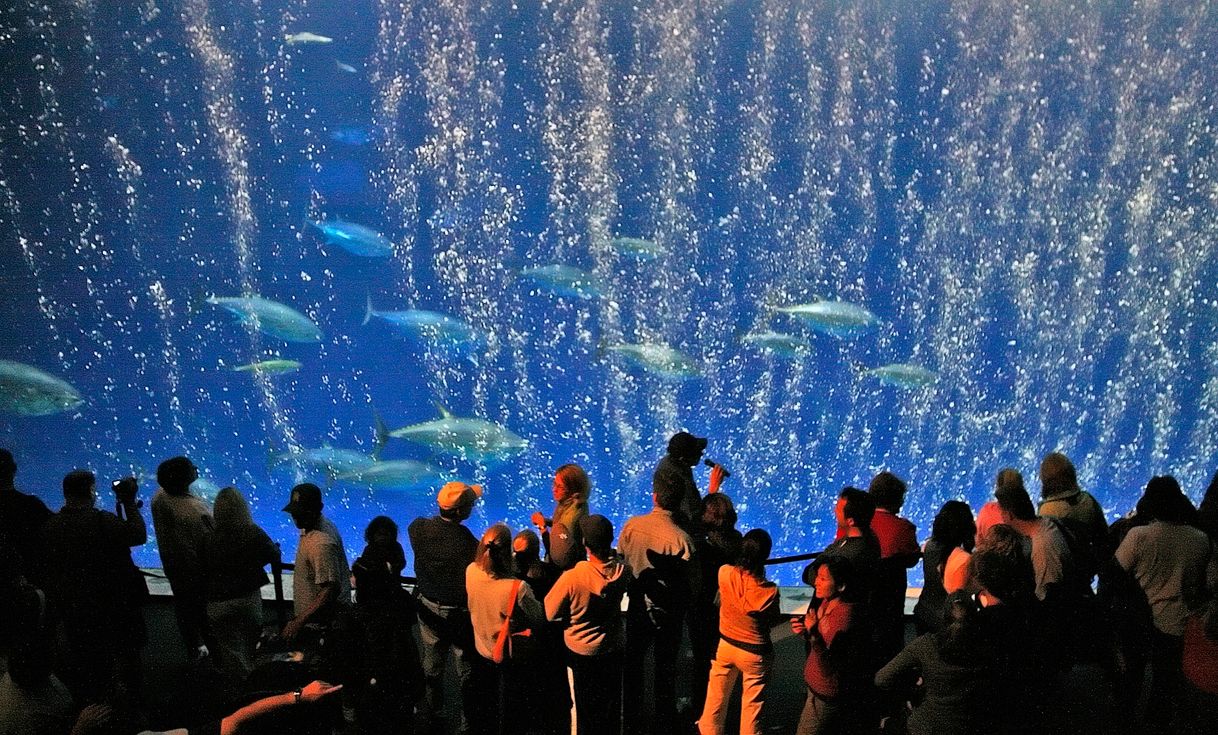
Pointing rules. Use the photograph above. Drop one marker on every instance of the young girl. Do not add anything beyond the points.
(838, 669)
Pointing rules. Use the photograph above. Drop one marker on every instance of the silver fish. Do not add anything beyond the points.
(565, 280)
(472, 439)
(659, 359)
(396, 474)
(777, 343)
(904, 375)
(270, 317)
(836, 318)
(27, 391)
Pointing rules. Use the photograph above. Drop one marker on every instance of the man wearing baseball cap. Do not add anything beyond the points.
(676, 468)
(443, 548)
(321, 582)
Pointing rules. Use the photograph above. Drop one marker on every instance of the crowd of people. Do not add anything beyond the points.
(561, 629)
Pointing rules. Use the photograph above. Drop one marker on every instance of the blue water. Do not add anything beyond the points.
(1022, 194)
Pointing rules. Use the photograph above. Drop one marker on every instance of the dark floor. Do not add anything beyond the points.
(178, 693)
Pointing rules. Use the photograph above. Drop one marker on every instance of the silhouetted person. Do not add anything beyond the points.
(182, 522)
(855, 541)
(560, 532)
(716, 542)
(898, 551)
(442, 549)
(321, 581)
(684, 453)
(97, 588)
(588, 598)
(235, 556)
(1061, 497)
(21, 519)
(391, 676)
(660, 554)
(953, 531)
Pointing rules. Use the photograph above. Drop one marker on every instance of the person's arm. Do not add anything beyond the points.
(131, 530)
(329, 590)
(267, 550)
(532, 612)
(717, 475)
(558, 601)
(900, 672)
(311, 692)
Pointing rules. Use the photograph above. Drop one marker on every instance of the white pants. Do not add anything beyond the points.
(729, 663)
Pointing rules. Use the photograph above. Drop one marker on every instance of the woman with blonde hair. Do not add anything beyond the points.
(235, 556)
(560, 533)
(496, 597)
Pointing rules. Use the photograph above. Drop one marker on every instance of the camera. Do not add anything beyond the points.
(125, 489)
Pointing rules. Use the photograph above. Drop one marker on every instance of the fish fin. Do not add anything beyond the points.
(381, 432)
(444, 412)
(369, 312)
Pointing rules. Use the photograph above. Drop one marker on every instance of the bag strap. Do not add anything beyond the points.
(503, 645)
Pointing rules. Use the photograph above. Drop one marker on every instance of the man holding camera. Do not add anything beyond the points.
(684, 453)
(97, 587)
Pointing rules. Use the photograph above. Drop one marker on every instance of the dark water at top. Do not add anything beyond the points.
(1022, 195)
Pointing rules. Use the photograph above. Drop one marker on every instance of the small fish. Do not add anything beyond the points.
(445, 333)
(472, 439)
(353, 135)
(27, 391)
(565, 280)
(396, 474)
(269, 366)
(293, 39)
(638, 248)
(658, 359)
(903, 375)
(354, 238)
(778, 344)
(836, 318)
(347, 68)
(270, 317)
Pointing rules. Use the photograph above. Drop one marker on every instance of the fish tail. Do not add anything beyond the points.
(381, 432)
(369, 312)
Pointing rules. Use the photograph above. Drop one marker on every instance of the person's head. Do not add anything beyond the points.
(456, 500)
(1009, 478)
(834, 578)
(954, 526)
(958, 641)
(174, 475)
(597, 531)
(305, 505)
(1164, 500)
(854, 509)
(79, 487)
(230, 509)
(8, 468)
(1002, 571)
(754, 550)
(1004, 539)
(888, 491)
(1015, 503)
(526, 548)
(571, 483)
(718, 511)
(686, 448)
(494, 554)
(381, 530)
(667, 488)
(1057, 476)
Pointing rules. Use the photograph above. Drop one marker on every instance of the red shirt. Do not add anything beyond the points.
(837, 659)
(1200, 656)
(897, 536)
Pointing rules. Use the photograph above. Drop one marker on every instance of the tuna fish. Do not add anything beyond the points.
(658, 359)
(295, 39)
(396, 474)
(269, 367)
(778, 344)
(565, 280)
(355, 238)
(835, 318)
(270, 317)
(903, 375)
(638, 248)
(472, 439)
(27, 391)
(331, 461)
(447, 334)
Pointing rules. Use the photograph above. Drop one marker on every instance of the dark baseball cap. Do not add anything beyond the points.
(305, 497)
(597, 531)
(686, 443)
